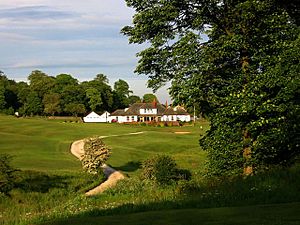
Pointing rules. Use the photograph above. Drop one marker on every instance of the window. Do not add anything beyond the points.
(127, 118)
(132, 118)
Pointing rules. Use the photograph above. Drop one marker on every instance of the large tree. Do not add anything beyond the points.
(99, 93)
(148, 98)
(33, 105)
(121, 93)
(52, 103)
(244, 73)
(41, 83)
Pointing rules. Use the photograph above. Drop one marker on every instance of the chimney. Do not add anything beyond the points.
(154, 103)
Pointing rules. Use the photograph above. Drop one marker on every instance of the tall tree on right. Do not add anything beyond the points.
(245, 73)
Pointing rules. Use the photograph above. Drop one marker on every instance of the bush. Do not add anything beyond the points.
(95, 155)
(163, 169)
(187, 187)
(89, 182)
(183, 174)
(7, 174)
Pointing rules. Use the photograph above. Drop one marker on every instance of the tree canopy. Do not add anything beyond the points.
(148, 98)
(236, 60)
(62, 95)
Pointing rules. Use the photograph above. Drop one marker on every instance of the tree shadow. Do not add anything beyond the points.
(130, 166)
(33, 181)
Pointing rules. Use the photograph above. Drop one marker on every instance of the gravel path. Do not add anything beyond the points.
(113, 176)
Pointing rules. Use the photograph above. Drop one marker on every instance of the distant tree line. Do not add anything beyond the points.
(64, 95)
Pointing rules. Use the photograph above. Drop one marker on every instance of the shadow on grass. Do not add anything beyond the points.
(32, 181)
(130, 166)
(172, 213)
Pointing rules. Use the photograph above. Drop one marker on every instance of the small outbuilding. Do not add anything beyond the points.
(95, 118)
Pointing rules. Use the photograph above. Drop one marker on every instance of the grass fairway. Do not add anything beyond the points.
(43, 145)
(52, 189)
(278, 214)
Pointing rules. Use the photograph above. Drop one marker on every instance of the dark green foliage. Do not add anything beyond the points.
(163, 170)
(62, 95)
(75, 109)
(134, 99)
(33, 105)
(90, 181)
(243, 74)
(7, 174)
(148, 98)
(41, 182)
(2, 97)
(121, 94)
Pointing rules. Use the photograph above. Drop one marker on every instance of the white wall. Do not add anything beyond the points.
(148, 111)
(183, 118)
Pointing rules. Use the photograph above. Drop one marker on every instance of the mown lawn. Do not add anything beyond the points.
(279, 214)
(43, 145)
(51, 183)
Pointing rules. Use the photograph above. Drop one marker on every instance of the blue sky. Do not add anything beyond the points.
(78, 37)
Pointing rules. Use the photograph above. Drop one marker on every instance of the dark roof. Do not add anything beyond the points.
(118, 112)
(178, 110)
(134, 109)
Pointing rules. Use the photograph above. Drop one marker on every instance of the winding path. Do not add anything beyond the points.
(113, 176)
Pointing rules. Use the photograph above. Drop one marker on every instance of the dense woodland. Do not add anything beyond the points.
(64, 95)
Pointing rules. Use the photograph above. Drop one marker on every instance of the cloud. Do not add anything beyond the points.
(34, 13)
(14, 37)
(70, 36)
(70, 63)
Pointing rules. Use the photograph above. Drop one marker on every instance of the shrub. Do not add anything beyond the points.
(7, 174)
(95, 155)
(89, 182)
(187, 187)
(183, 174)
(163, 169)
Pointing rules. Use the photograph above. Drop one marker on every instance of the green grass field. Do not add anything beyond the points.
(44, 145)
(283, 214)
(51, 183)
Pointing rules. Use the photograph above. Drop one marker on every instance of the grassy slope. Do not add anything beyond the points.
(43, 145)
(279, 214)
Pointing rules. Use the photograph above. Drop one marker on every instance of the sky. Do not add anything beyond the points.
(77, 37)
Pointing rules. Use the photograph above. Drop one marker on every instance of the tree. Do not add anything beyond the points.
(246, 74)
(52, 103)
(95, 101)
(63, 80)
(75, 109)
(23, 92)
(3, 86)
(120, 94)
(122, 88)
(148, 98)
(41, 83)
(2, 97)
(7, 174)
(104, 98)
(70, 93)
(33, 105)
(133, 99)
